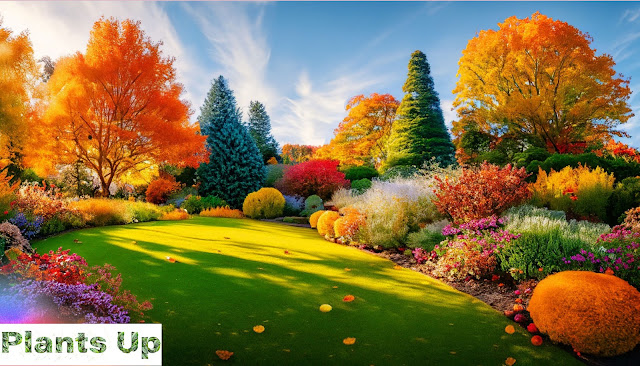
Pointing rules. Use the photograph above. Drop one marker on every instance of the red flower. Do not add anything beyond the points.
(6, 212)
(536, 340)
(532, 328)
(574, 198)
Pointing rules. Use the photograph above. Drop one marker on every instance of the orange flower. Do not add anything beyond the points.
(258, 329)
(349, 298)
(518, 301)
(518, 307)
(349, 341)
(224, 355)
(540, 269)
(348, 269)
(510, 329)
(609, 271)
(510, 361)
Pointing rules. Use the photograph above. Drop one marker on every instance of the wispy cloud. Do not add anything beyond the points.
(630, 15)
(239, 46)
(61, 28)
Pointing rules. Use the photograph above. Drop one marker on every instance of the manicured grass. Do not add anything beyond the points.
(233, 274)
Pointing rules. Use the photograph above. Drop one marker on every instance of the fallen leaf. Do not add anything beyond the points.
(452, 352)
(349, 298)
(348, 269)
(171, 260)
(286, 252)
(258, 329)
(335, 287)
(224, 355)
(227, 238)
(510, 329)
(510, 361)
(349, 341)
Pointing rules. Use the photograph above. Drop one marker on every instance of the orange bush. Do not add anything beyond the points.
(222, 212)
(325, 223)
(593, 312)
(313, 220)
(481, 192)
(347, 226)
(175, 215)
(160, 189)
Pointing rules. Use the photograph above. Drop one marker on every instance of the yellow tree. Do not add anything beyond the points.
(537, 80)
(18, 73)
(116, 108)
(362, 136)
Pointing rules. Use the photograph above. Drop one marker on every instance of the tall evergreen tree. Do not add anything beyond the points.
(419, 133)
(260, 129)
(235, 166)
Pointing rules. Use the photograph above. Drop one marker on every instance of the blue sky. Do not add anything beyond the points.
(304, 60)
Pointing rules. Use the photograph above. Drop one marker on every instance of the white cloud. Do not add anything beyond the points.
(630, 15)
(447, 112)
(239, 45)
(62, 28)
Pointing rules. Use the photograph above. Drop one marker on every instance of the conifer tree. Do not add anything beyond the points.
(419, 133)
(259, 126)
(235, 166)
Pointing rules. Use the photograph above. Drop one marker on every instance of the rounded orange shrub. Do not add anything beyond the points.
(325, 223)
(347, 226)
(593, 312)
(313, 219)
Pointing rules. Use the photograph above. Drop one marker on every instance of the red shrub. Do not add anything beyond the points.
(481, 192)
(160, 189)
(319, 177)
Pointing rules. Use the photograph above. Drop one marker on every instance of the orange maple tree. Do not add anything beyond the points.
(538, 80)
(362, 136)
(18, 72)
(116, 108)
(294, 154)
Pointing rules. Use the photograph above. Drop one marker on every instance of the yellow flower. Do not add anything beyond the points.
(349, 341)
(258, 329)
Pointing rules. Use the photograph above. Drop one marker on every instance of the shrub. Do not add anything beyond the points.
(13, 238)
(360, 172)
(274, 174)
(360, 186)
(175, 215)
(313, 219)
(143, 211)
(426, 239)
(625, 196)
(293, 205)
(326, 223)
(632, 219)
(28, 227)
(159, 190)
(195, 204)
(395, 208)
(44, 201)
(579, 191)
(320, 177)
(343, 198)
(619, 167)
(481, 192)
(400, 172)
(222, 212)
(594, 313)
(267, 203)
(312, 204)
(461, 261)
(348, 226)
(103, 211)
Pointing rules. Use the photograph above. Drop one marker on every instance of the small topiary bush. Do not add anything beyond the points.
(313, 220)
(349, 225)
(360, 186)
(595, 313)
(175, 215)
(326, 223)
(267, 203)
(312, 204)
(360, 172)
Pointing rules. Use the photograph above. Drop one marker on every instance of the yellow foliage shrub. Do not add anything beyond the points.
(103, 211)
(580, 190)
(267, 203)
(326, 222)
(313, 220)
(175, 215)
(593, 312)
(347, 226)
(222, 212)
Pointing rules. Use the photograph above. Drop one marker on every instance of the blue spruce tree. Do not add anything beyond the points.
(235, 166)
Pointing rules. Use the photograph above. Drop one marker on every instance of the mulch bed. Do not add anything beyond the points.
(502, 298)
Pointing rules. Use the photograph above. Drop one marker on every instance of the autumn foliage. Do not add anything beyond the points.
(116, 108)
(159, 190)
(481, 192)
(538, 80)
(320, 177)
(293, 154)
(361, 138)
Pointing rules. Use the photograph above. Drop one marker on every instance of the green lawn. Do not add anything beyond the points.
(234, 274)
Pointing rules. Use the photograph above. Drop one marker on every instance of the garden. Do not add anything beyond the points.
(514, 242)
